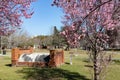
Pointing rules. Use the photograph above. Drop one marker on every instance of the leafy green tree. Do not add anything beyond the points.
(59, 40)
(56, 37)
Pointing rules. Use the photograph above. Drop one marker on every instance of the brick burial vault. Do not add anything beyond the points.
(26, 57)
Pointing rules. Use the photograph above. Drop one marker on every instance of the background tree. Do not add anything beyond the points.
(90, 19)
(20, 38)
(114, 41)
(42, 41)
(58, 40)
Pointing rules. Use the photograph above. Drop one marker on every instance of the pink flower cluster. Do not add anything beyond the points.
(91, 18)
(11, 12)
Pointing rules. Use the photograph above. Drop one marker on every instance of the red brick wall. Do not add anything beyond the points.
(16, 52)
(56, 58)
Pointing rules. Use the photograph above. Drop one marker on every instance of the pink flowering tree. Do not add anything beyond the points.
(11, 12)
(90, 20)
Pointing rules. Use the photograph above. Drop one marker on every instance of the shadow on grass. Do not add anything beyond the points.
(86, 60)
(67, 63)
(50, 74)
(9, 65)
(116, 61)
(90, 66)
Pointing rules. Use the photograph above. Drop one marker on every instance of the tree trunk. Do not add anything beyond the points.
(96, 75)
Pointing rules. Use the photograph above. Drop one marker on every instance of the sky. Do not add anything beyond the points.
(44, 18)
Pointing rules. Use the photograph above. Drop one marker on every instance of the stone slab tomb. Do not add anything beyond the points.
(26, 57)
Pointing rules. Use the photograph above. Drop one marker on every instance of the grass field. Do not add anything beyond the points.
(79, 70)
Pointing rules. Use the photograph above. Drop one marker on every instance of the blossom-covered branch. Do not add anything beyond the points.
(11, 12)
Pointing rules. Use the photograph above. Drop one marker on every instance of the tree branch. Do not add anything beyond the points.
(96, 8)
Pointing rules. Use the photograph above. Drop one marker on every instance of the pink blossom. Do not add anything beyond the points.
(11, 14)
(63, 33)
(97, 17)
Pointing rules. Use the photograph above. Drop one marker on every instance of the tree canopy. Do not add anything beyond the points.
(11, 12)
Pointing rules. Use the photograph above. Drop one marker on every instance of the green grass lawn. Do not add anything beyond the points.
(79, 70)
